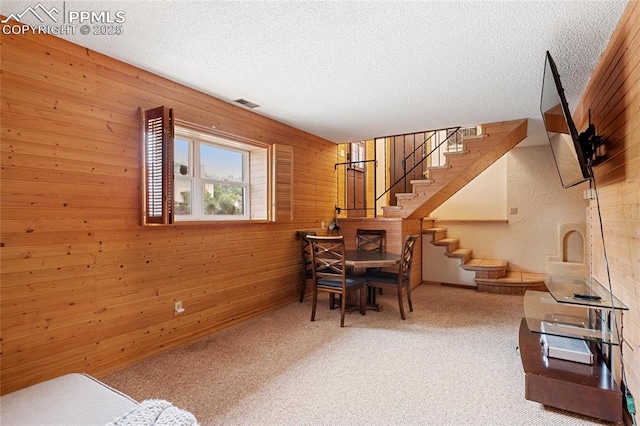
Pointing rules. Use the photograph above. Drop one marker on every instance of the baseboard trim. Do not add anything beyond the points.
(471, 287)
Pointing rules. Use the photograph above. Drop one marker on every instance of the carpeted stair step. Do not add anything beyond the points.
(450, 243)
(463, 254)
(512, 283)
(392, 211)
(437, 233)
(487, 268)
(421, 186)
(452, 154)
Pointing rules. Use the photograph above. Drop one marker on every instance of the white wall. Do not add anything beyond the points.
(533, 187)
(484, 198)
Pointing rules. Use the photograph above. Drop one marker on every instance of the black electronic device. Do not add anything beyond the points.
(586, 296)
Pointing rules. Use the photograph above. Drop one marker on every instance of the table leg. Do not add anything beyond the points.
(353, 301)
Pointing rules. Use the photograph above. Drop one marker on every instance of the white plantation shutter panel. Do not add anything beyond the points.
(157, 166)
(282, 183)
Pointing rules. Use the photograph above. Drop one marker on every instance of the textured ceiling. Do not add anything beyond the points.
(355, 70)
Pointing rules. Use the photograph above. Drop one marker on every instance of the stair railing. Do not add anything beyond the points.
(437, 148)
(440, 141)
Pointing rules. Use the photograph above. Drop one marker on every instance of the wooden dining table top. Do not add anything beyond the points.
(370, 259)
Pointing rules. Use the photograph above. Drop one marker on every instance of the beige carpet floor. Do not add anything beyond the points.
(454, 361)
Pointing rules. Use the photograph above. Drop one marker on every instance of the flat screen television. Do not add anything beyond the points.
(570, 150)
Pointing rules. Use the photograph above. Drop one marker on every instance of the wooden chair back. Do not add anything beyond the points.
(407, 256)
(371, 239)
(328, 257)
(399, 281)
(330, 274)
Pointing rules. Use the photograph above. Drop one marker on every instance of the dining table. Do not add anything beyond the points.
(360, 260)
(370, 259)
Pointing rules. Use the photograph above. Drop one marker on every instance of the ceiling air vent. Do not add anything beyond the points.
(246, 103)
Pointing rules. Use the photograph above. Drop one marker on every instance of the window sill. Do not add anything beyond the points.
(205, 223)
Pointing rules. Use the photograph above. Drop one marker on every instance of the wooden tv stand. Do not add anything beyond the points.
(585, 389)
(588, 389)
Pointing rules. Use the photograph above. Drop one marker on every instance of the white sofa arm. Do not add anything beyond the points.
(73, 399)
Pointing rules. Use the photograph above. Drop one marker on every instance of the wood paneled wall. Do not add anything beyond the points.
(84, 287)
(613, 96)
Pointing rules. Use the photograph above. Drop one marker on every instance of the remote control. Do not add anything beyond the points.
(586, 296)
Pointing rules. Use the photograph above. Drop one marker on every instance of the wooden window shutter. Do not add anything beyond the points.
(157, 166)
(282, 206)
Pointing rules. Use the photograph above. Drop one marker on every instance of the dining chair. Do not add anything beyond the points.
(398, 281)
(371, 239)
(307, 269)
(329, 273)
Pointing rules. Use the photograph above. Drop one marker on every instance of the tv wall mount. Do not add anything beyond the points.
(592, 145)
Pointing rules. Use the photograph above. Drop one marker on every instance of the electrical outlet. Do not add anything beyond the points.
(514, 210)
(178, 307)
(590, 194)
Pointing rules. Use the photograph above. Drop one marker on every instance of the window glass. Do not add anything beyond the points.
(220, 199)
(221, 164)
(182, 198)
(181, 157)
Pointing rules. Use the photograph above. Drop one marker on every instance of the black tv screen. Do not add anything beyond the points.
(563, 137)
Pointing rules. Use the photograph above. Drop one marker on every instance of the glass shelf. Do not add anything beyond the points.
(564, 289)
(546, 315)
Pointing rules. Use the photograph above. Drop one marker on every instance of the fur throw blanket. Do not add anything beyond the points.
(156, 412)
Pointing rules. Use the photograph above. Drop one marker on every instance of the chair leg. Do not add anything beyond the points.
(315, 300)
(363, 299)
(400, 303)
(409, 297)
(343, 309)
(304, 285)
(332, 301)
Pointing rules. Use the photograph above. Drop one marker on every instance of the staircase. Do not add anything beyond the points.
(491, 275)
(461, 167)
(477, 154)
(441, 182)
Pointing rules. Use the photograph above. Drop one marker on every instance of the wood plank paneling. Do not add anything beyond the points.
(613, 96)
(83, 286)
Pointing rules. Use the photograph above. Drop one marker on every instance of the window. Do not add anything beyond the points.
(357, 154)
(211, 177)
(196, 174)
(456, 136)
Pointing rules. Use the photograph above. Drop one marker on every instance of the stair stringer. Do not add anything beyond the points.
(461, 169)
